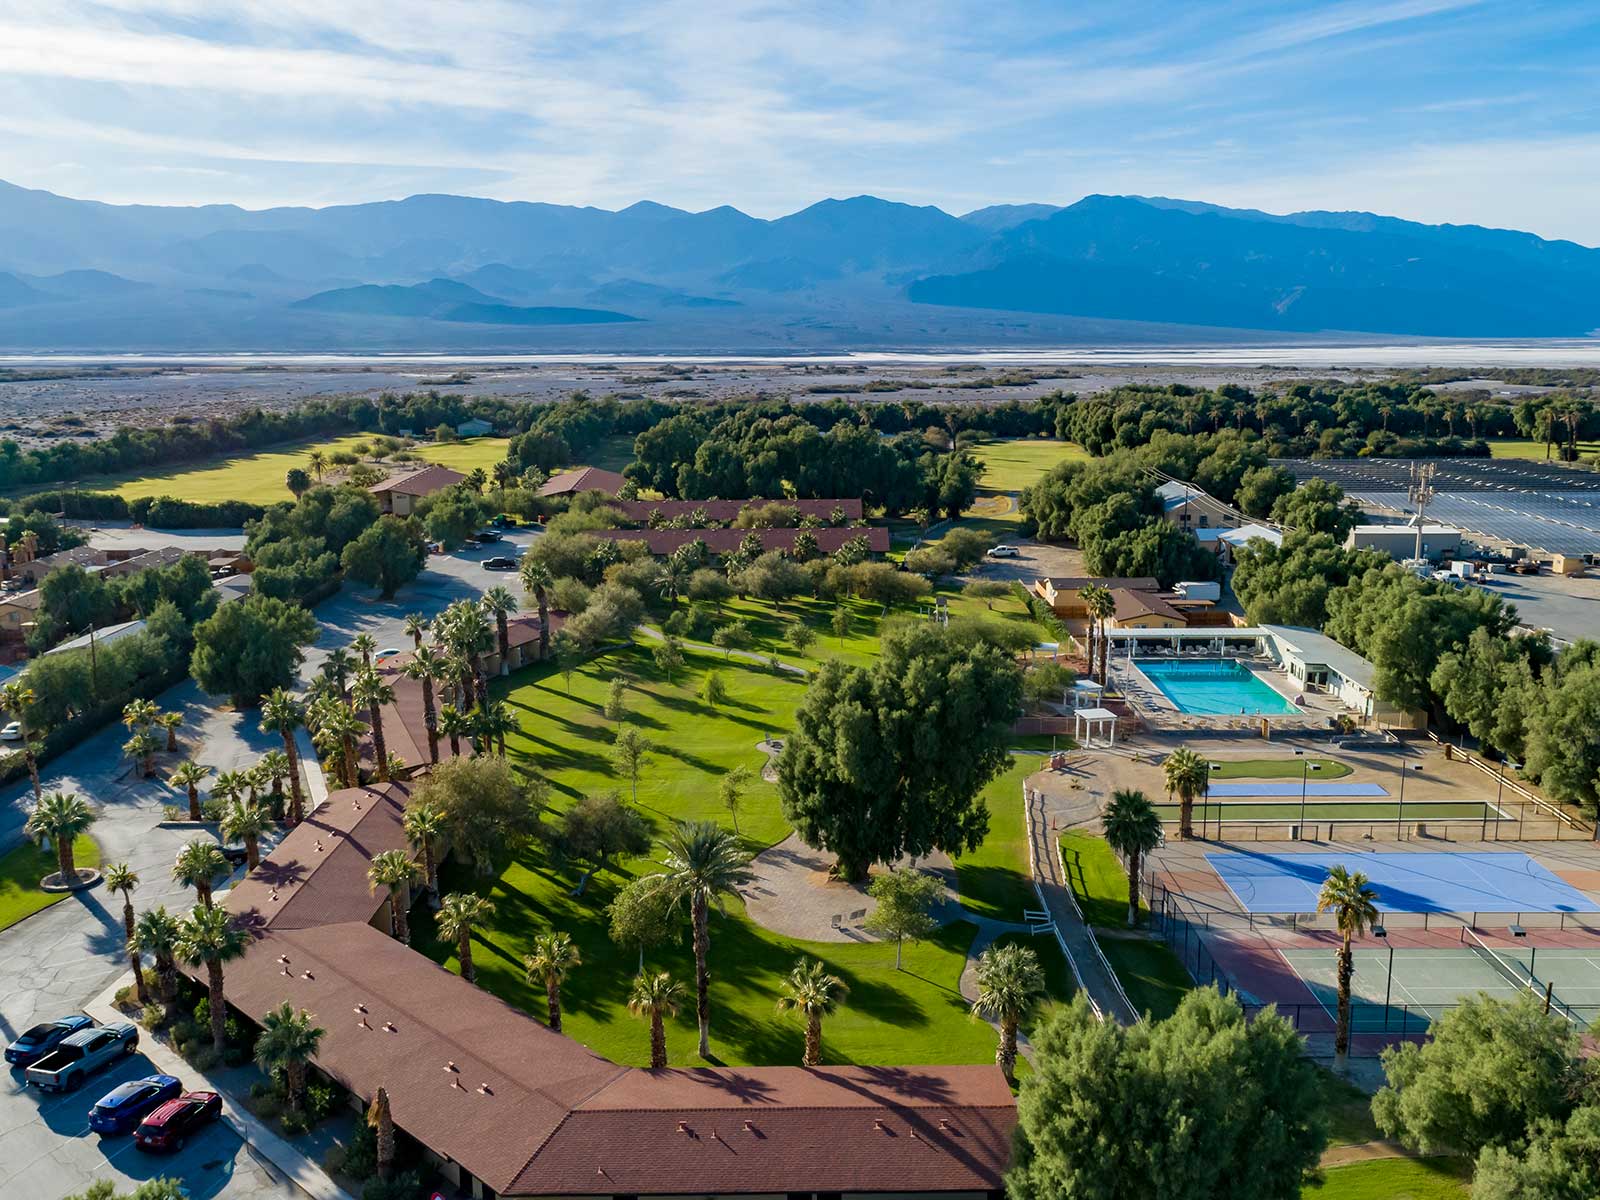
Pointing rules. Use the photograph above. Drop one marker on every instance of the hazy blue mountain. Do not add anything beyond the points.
(303, 277)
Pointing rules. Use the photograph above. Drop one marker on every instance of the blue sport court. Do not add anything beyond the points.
(1279, 790)
(1405, 883)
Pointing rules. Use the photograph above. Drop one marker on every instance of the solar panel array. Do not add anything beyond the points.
(1545, 506)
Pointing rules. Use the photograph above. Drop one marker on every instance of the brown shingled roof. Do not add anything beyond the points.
(1130, 603)
(420, 483)
(583, 479)
(726, 541)
(728, 510)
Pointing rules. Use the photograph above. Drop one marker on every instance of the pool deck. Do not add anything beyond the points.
(1314, 710)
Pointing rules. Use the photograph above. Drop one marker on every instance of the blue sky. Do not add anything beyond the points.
(1435, 110)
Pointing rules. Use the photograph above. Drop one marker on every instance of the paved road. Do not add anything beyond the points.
(54, 962)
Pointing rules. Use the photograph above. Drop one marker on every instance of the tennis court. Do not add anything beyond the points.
(1226, 791)
(1290, 811)
(1405, 883)
(1426, 982)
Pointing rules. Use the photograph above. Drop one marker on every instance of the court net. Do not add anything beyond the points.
(1518, 975)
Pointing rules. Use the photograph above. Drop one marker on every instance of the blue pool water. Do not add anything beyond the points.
(1216, 686)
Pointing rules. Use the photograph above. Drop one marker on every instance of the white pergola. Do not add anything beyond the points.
(1086, 694)
(1089, 724)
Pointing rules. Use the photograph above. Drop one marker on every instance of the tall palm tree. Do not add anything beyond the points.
(209, 937)
(704, 864)
(17, 699)
(230, 784)
(426, 665)
(61, 817)
(1010, 983)
(499, 603)
(138, 714)
(381, 1122)
(339, 666)
(459, 914)
(393, 869)
(1098, 601)
(1355, 910)
(318, 462)
(424, 828)
(656, 997)
(188, 776)
(466, 631)
(416, 626)
(455, 725)
(366, 646)
(170, 722)
(537, 581)
(156, 934)
(493, 723)
(338, 731)
(141, 747)
(1189, 775)
(197, 865)
(373, 693)
(553, 959)
(813, 993)
(1133, 829)
(120, 877)
(282, 713)
(247, 821)
(288, 1042)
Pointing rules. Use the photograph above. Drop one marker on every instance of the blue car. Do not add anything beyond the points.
(38, 1041)
(124, 1106)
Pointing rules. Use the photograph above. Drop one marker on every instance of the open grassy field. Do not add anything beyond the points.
(1010, 466)
(1323, 770)
(1395, 1179)
(1527, 448)
(20, 872)
(258, 477)
(914, 1015)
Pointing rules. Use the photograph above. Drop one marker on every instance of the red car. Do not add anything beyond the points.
(169, 1126)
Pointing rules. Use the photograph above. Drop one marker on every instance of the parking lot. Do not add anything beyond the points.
(47, 1149)
(1569, 608)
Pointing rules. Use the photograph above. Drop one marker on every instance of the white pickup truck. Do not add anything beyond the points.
(82, 1054)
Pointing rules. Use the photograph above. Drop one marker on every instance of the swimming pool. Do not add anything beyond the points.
(1215, 686)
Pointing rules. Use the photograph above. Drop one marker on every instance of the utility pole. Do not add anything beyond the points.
(1420, 493)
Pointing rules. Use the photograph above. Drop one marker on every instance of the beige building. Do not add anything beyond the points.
(1064, 594)
(398, 495)
(17, 609)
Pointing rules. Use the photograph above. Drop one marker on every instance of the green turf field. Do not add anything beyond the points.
(1527, 448)
(1395, 1179)
(21, 870)
(1010, 466)
(1337, 810)
(1279, 768)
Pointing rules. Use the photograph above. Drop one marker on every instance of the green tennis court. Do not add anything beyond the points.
(1426, 982)
(1290, 811)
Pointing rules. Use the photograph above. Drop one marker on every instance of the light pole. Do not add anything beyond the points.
(1306, 767)
(1205, 806)
(1400, 808)
(1379, 931)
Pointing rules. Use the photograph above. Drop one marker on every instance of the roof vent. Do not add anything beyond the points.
(485, 1090)
(683, 1127)
(943, 1124)
(361, 1008)
(364, 1024)
(388, 1027)
(749, 1126)
(879, 1125)
(317, 846)
(451, 1066)
(284, 959)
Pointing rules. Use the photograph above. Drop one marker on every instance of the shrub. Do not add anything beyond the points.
(321, 1099)
(201, 1056)
(152, 1016)
(295, 1123)
(404, 1186)
(360, 1153)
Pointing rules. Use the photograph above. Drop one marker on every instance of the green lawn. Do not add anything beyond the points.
(1010, 466)
(22, 868)
(258, 477)
(1527, 448)
(612, 454)
(915, 1015)
(1348, 1110)
(993, 879)
(1279, 768)
(1395, 1179)
(1151, 974)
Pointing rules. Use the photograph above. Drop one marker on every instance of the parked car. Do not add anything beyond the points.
(386, 652)
(11, 732)
(500, 563)
(171, 1125)
(34, 1043)
(81, 1054)
(504, 521)
(237, 856)
(486, 537)
(124, 1106)
(1003, 551)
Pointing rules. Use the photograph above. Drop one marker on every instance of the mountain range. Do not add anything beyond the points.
(456, 272)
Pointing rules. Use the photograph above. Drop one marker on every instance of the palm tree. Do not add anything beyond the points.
(122, 878)
(553, 958)
(282, 713)
(230, 784)
(61, 817)
(493, 723)
(416, 626)
(426, 665)
(424, 827)
(170, 722)
(1133, 829)
(500, 603)
(536, 580)
(1010, 983)
(371, 691)
(810, 991)
(338, 731)
(156, 934)
(459, 914)
(188, 777)
(469, 637)
(197, 865)
(1354, 907)
(455, 725)
(288, 1041)
(247, 821)
(209, 937)
(657, 997)
(137, 714)
(1189, 775)
(339, 666)
(393, 869)
(705, 863)
(141, 747)
(17, 699)
(318, 462)
(366, 646)
(382, 1125)
(1099, 604)
(273, 769)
